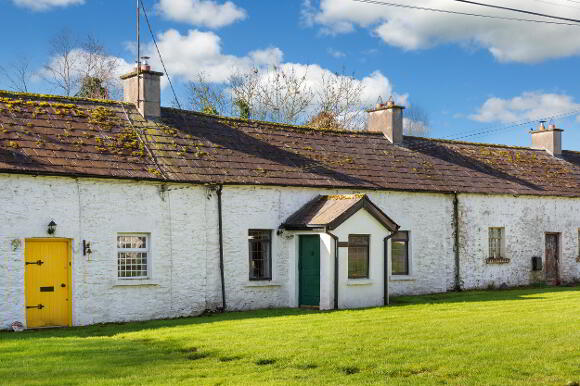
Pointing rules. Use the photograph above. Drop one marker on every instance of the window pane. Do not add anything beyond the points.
(495, 242)
(401, 236)
(358, 256)
(132, 263)
(259, 244)
(400, 260)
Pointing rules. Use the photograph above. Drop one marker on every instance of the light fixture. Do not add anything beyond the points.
(51, 228)
(87, 248)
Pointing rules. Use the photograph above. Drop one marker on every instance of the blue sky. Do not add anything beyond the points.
(469, 74)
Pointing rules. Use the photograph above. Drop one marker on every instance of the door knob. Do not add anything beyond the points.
(63, 285)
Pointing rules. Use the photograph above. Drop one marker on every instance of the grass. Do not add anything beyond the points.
(512, 337)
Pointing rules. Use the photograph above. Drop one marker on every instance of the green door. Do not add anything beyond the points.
(309, 271)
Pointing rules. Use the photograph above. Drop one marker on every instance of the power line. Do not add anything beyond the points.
(377, 2)
(573, 1)
(557, 4)
(486, 130)
(518, 10)
(478, 132)
(160, 56)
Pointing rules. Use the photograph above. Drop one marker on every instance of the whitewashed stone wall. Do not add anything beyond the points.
(184, 244)
(526, 220)
(429, 218)
(183, 223)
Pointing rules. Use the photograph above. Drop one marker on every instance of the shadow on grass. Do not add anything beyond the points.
(113, 329)
(108, 359)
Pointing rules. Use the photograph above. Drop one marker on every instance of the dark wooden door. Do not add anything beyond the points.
(309, 271)
(552, 255)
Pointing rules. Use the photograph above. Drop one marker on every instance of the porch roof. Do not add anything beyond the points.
(330, 211)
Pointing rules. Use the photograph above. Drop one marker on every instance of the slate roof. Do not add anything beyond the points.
(331, 211)
(80, 137)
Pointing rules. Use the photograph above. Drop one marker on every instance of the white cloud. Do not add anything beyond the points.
(207, 13)
(335, 53)
(507, 41)
(197, 52)
(42, 5)
(375, 85)
(528, 106)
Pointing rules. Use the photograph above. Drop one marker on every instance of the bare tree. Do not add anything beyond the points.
(416, 121)
(61, 71)
(338, 102)
(18, 75)
(74, 64)
(207, 97)
(244, 87)
(283, 96)
(97, 64)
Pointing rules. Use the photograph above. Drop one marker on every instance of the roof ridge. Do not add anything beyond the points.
(452, 141)
(279, 125)
(63, 98)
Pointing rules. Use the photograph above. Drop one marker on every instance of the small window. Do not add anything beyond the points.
(358, 256)
(496, 242)
(260, 245)
(400, 253)
(132, 256)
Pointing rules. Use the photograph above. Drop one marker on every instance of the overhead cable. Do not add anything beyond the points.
(397, 5)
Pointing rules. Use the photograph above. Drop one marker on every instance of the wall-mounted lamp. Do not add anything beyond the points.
(51, 228)
(87, 248)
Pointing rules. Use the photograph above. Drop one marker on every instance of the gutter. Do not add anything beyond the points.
(336, 275)
(386, 300)
(221, 241)
(456, 241)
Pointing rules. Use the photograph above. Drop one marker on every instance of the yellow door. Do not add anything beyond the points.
(47, 282)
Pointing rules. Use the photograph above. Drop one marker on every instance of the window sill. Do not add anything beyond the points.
(402, 278)
(262, 284)
(497, 260)
(135, 283)
(359, 282)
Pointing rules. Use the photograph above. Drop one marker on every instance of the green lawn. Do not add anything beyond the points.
(529, 336)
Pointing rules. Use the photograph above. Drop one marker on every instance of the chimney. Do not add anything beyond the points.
(549, 139)
(143, 88)
(388, 119)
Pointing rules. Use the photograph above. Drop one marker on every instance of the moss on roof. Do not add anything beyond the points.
(60, 97)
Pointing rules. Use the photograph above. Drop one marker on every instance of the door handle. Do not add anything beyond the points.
(39, 262)
(63, 285)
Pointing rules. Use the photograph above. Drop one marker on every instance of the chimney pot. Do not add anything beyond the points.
(388, 119)
(549, 139)
(143, 88)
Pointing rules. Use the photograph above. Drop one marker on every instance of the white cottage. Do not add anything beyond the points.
(119, 211)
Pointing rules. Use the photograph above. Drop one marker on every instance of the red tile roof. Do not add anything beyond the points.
(79, 137)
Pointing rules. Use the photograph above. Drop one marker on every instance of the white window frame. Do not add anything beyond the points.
(502, 243)
(146, 250)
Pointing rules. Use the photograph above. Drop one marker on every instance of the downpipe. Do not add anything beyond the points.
(336, 273)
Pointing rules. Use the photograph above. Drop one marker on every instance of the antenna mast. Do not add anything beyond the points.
(138, 55)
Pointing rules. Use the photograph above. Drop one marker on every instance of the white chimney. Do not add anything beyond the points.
(388, 119)
(143, 88)
(549, 139)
